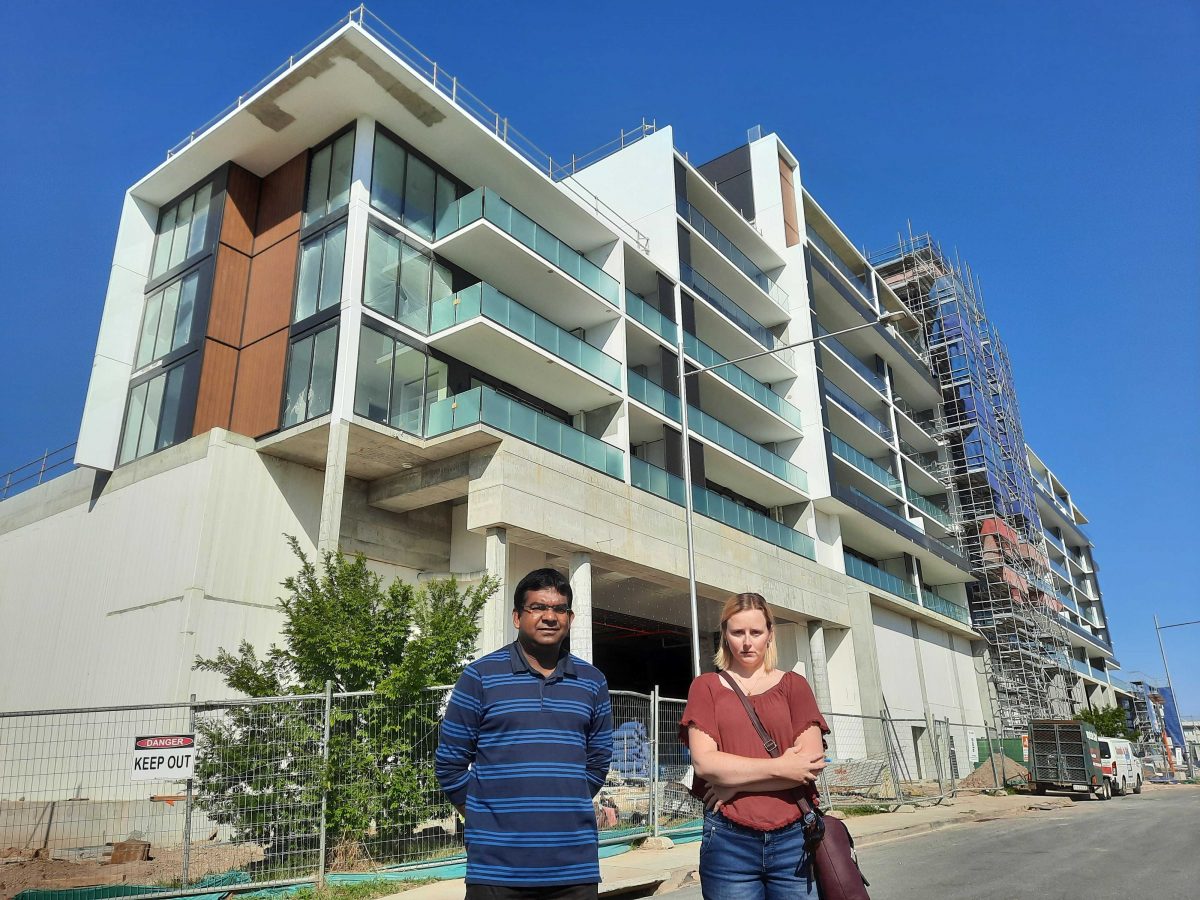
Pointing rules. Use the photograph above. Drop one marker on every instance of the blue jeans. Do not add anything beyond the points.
(739, 863)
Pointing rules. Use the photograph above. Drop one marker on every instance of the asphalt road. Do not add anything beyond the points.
(1130, 847)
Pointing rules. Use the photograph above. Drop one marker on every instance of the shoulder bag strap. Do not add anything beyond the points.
(768, 741)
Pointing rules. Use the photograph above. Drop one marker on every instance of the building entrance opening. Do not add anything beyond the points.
(635, 653)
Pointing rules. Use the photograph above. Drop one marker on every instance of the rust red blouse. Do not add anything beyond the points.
(786, 710)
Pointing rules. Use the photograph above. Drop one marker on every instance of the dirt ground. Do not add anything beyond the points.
(985, 777)
(19, 872)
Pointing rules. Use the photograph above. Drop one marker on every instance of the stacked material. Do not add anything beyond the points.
(631, 750)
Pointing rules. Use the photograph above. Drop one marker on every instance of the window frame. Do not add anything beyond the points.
(327, 219)
(203, 269)
(294, 338)
(319, 316)
(458, 276)
(461, 187)
(219, 178)
(188, 398)
(388, 330)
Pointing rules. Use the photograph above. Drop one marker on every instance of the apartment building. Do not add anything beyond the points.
(1080, 603)
(362, 309)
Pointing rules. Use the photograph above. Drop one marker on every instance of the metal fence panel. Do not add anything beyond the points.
(677, 809)
(624, 804)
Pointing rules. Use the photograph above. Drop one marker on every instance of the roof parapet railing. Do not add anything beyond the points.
(458, 94)
(33, 473)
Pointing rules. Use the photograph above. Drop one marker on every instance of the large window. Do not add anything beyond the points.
(407, 188)
(157, 412)
(319, 285)
(329, 178)
(167, 320)
(182, 229)
(309, 381)
(401, 281)
(395, 381)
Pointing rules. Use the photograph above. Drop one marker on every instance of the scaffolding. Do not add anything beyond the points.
(1013, 602)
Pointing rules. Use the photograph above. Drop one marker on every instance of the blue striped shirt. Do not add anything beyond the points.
(525, 754)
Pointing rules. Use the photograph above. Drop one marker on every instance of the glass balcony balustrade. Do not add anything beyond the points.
(643, 312)
(484, 203)
(864, 464)
(842, 352)
(482, 405)
(729, 250)
(483, 300)
(745, 448)
(873, 575)
(856, 409)
(940, 604)
(729, 309)
(928, 507)
(654, 396)
(1120, 683)
(714, 506)
(860, 282)
(1060, 570)
(740, 379)
(1056, 541)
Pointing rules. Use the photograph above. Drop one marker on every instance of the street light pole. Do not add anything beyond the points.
(1158, 630)
(689, 508)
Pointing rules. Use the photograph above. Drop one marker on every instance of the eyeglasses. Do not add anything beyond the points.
(559, 609)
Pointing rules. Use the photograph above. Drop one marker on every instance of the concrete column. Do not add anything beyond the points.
(791, 640)
(329, 536)
(496, 626)
(818, 676)
(581, 588)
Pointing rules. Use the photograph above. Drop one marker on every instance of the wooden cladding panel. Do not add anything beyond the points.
(791, 221)
(269, 295)
(230, 280)
(259, 389)
(241, 209)
(215, 398)
(280, 202)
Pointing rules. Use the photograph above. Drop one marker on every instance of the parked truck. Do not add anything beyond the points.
(1064, 755)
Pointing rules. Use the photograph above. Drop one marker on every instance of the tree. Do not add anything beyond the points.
(1109, 721)
(260, 768)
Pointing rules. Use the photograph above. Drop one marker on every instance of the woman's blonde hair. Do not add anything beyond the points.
(742, 603)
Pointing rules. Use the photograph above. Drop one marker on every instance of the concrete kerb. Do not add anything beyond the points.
(645, 872)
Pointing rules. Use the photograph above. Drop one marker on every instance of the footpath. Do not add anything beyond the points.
(656, 867)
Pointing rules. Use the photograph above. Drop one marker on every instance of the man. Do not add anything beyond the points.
(525, 745)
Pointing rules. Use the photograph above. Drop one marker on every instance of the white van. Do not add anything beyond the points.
(1122, 769)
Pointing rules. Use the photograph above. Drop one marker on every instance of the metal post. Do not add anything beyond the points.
(454, 88)
(892, 747)
(655, 784)
(1187, 757)
(688, 507)
(324, 782)
(435, 74)
(187, 807)
(996, 779)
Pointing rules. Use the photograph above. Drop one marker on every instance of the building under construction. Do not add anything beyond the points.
(1013, 603)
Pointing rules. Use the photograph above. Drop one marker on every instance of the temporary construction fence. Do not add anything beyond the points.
(290, 790)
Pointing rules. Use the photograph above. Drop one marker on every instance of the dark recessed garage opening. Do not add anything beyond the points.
(635, 653)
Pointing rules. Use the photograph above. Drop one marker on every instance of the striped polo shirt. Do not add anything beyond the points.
(526, 754)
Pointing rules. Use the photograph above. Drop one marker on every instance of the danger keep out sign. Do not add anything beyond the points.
(164, 757)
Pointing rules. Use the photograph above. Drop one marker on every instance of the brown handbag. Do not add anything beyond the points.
(828, 842)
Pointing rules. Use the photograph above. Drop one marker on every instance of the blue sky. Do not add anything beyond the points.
(1054, 144)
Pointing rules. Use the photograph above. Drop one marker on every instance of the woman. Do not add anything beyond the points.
(753, 844)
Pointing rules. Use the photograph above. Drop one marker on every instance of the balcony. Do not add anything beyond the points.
(1082, 668)
(1120, 684)
(748, 450)
(1082, 632)
(842, 352)
(488, 329)
(856, 410)
(730, 310)
(924, 505)
(877, 577)
(940, 604)
(721, 509)
(1060, 570)
(864, 464)
(1055, 542)
(482, 405)
(731, 254)
(888, 512)
(858, 282)
(641, 311)
(646, 392)
(740, 379)
(486, 235)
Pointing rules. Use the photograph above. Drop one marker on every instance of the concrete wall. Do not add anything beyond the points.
(118, 586)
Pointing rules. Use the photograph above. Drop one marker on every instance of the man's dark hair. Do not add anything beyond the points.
(539, 579)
